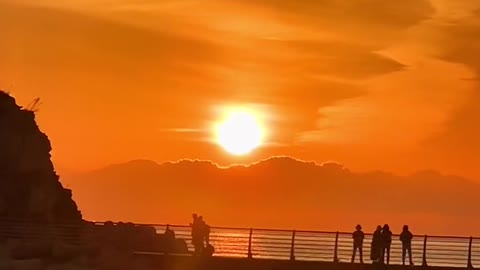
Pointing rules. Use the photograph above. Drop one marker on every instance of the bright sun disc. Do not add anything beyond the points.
(240, 132)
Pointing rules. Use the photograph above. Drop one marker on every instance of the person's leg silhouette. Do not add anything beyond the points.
(388, 255)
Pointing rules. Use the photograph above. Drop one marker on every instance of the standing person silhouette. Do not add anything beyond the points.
(197, 237)
(169, 239)
(209, 249)
(358, 237)
(206, 233)
(204, 228)
(406, 238)
(386, 237)
(376, 249)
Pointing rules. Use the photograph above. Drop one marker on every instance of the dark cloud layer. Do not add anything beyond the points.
(275, 187)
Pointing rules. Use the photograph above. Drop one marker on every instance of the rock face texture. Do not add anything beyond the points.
(131, 237)
(29, 186)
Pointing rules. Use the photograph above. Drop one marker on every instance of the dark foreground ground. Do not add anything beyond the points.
(163, 262)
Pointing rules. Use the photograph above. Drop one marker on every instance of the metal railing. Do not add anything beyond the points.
(30, 230)
(427, 250)
(447, 251)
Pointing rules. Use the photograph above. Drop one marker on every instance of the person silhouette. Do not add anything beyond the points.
(197, 237)
(204, 230)
(406, 238)
(209, 250)
(358, 237)
(169, 239)
(206, 233)
(376, 249)
(386, 243)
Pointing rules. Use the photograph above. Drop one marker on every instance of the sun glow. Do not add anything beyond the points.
(240, 132)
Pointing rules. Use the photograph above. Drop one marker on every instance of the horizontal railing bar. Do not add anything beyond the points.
(316, 245)
(448, 260)
(313, 256)
(231, 251)
(462, 256)
(445, 250)
(268, 246)
(228, 236)
(313, 252)
(273, 240)
(229, 245)
(247, 229)
(231, 255)
(279, 252)
(268, 249)
(228, 250)
(448, 244)
(314, 232)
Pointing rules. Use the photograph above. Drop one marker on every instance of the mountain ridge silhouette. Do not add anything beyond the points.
(276, 192)
(270, 162)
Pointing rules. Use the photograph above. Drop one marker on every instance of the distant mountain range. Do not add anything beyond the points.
(277, 192)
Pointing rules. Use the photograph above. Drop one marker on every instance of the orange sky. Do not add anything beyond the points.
(373, 84)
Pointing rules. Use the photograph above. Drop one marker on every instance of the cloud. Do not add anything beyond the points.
(398, 110)
(384, 75)
(459, 43)
(106, 55)
(403, 110)
(365, 12)
(324, 58)
(110, 54)
(255, 195)
(181, 130)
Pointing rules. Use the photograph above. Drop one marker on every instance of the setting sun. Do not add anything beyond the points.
(240, 132)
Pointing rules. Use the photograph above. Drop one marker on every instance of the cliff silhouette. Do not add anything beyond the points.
(41, 226)
(29, 186)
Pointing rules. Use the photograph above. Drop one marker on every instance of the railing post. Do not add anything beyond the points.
(469, 264)
(250, 244)
(424, 260)
(168, 245)
(292, 248)
(335, 251)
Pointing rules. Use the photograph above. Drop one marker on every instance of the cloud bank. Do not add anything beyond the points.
(278, 192)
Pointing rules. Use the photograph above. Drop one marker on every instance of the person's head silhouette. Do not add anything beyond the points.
(405, 228)
(379, 228)
(386, 227)
(358, 227)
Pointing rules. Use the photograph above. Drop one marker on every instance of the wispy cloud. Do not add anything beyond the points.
(182, 130)
(371, 72)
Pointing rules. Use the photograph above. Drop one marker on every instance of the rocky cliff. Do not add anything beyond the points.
(29, 186)
(40, 224)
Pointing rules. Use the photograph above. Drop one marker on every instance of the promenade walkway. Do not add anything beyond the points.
(238, 246)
